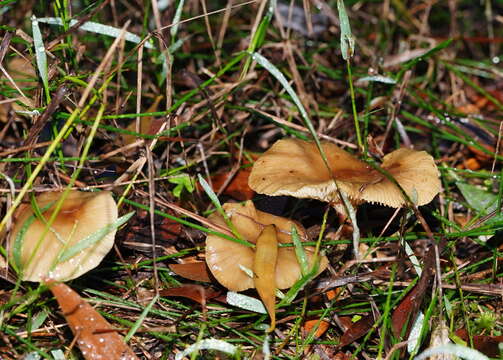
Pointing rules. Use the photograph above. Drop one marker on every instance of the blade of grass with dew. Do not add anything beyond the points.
(140, 320)
(245, 302)
(214, 199)
(347, 49)
(259, 35)
(98, 28)
(40, 55)
(93, 238)
(299, 252)
(347, 39)
(208, 344)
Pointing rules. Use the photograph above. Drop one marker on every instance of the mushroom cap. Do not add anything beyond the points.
(295, 168)
(224, 256)
(416, 173)
(81, 215)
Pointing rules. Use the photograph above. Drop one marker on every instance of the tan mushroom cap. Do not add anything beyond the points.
(81, 215)
(224, 256)
(295, 167)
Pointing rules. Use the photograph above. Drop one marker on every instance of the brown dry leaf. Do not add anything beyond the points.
(322, 327)
(196, 271)
(486, 344)
(169, 229)
(194, 292)
(96, 338)
(357, 330)
(238, 187)
(264, 269)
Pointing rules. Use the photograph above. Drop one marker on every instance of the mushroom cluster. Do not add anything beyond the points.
(295, 167)
(81, 215)
(227, 260)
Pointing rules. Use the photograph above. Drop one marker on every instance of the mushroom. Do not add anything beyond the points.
(81, 215)
(227, 259)
(295, 167)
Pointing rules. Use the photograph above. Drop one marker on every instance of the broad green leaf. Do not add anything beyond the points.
(182, 182)
(479, 199)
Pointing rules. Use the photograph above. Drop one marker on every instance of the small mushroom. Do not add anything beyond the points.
(224, 257)
(81, 215)
(295, 167)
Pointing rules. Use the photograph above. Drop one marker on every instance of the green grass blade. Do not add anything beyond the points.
(40, 55)
(93, 238)
(347, 39)
(214, 199)
(299, 252)
(98, 28)
(140, 320)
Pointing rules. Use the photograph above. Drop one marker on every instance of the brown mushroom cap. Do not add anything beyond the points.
(81, 215)
(295, 167)
(224, 256)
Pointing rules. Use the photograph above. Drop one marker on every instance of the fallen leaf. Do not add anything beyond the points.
(194, 292)
(322, 327)
(357, 330)
(486, 344)
(196, 271)
(169, 229)
(264, 270)
(238, 187)
(96, 338)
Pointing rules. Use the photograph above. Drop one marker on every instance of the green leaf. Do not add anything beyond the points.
(93, 238)
(299, 252)
(183, 181)
(481, 200)
(40, 54)
(347, 40)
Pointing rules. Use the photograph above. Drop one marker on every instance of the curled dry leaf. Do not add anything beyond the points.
(96, 338)
(81, 215)
(308, 177)
(237, 188)
(196, 271)
(226, 259)
(194, 292)
(322, 327)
